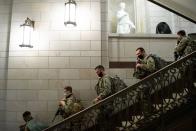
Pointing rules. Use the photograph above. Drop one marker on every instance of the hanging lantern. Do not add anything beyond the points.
(70, 13)
(27, 33)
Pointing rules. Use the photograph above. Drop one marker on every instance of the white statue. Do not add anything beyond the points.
(124, 25)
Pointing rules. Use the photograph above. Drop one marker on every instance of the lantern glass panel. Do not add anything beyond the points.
(70, 14)
(27, 35)
(67, 12)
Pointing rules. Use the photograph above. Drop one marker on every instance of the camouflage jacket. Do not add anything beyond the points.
(148, 64)
(181, 45)
(69, 103)
(104, 86)
(148, 67)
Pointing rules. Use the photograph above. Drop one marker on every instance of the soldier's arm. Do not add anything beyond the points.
(149, 66)
(181, 46)
(107, 85)
(69, 104)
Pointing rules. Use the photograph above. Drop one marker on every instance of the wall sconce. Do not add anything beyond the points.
(70, 13)
(27, 33)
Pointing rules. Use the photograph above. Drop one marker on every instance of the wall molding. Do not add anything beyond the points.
(143, 36)
(124, 64)
(118, 64)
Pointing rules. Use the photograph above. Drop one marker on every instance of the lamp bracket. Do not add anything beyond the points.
(28, 22)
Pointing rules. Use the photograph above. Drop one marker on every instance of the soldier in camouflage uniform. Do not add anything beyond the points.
(69, 104)
(181, 45)
(145, 64)
(104, 85)
(103, 89)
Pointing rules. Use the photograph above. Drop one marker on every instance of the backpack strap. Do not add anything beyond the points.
(154, 57)
(150, 55)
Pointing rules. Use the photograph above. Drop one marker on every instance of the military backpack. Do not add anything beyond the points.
(159, 62)
(191, 47)
(117, 84)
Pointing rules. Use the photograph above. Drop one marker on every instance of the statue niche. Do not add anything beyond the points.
(124, 24)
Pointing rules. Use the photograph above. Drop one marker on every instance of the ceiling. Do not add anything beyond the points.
(188, 4)
(184, 8)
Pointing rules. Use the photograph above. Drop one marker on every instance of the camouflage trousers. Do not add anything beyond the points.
(103, 117)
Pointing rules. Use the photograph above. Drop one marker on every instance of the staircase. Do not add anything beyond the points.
(151, 104)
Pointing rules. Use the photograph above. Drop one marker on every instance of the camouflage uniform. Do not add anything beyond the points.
(148, 67)
(104, 86)
(181, 45)
(148, 64)
(72, 105)
(69, 102)
(104, 89)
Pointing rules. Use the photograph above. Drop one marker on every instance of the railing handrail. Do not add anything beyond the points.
(124, 90)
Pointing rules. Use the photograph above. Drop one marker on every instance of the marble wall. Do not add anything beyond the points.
(5, 17)
(60, 56)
